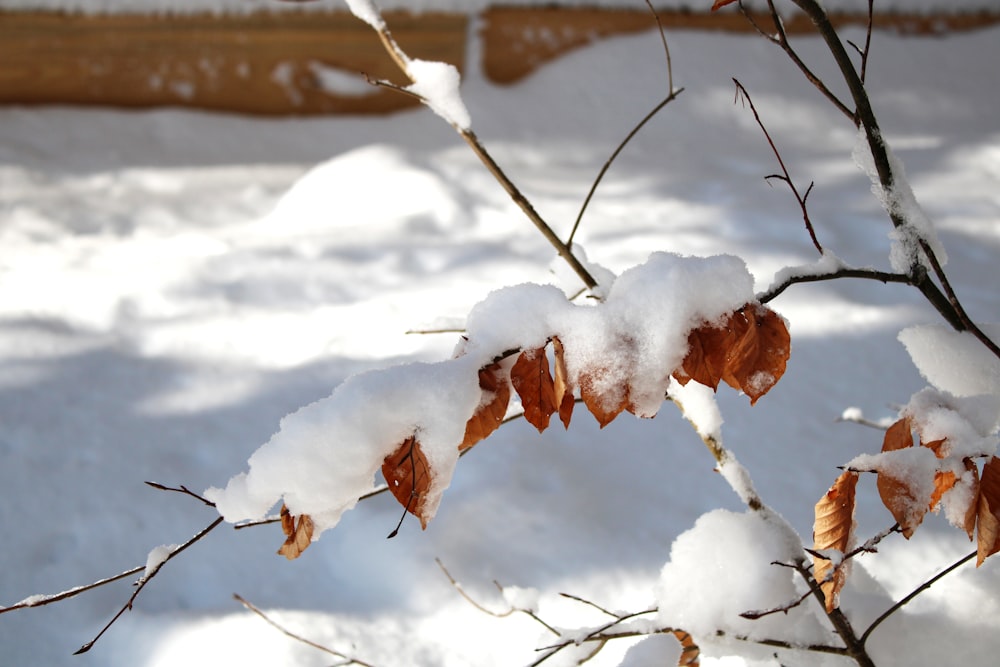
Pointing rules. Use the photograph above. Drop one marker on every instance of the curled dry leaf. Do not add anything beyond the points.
(972, 511)
(719, 4)
(690, 652)
(897, 495)
(834, 529)
(748, 352)
(561, 383)
(988, 511)
(298, 534)
(533, 382)
(409, 477)
(491, 411)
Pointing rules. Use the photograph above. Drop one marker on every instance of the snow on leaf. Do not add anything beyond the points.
(561, 383)
(897, 491)
(604, 402)
(491, 411)
(749, 352)
(834, 529)
(408, 475)
(534, 384)
(988, 510)
(298, 534)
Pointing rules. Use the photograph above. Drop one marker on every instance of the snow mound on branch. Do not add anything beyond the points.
(325, 455)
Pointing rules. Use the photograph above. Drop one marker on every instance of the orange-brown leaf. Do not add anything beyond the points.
(561, 383)
(944, 480)
(757, 359)
(298, 534)
(534, 384)
(690, 652)
(896, 494)
(409, 477)
(705, 362)
(491, 411)
(937, 446)
(719, 4)
(605, 403)
(834, 529)
(972, 511)
(988, 510)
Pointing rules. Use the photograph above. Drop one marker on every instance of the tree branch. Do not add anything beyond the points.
(868, 274)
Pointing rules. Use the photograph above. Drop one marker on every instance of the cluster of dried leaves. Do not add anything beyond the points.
(748, 351)
(904, 497)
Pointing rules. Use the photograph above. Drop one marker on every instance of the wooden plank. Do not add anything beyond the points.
(518, 40)
(261, 63)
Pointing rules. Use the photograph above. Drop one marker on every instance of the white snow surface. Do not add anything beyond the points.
(173, 284)
(464, 6)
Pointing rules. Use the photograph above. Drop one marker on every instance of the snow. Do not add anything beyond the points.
(155, 559)
(245, 6)
(437, 84)
(172, 284)
(954, 361)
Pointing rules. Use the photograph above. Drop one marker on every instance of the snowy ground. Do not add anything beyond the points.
(173, 283)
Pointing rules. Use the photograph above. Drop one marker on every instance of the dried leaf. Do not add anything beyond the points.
(719, 4)
(493, 408)
(897, 494)
(988, 511)
(972, 511)
(534, 384)
(944, 480)
(749, 352)
(561, 384)
(298, 534)
(409, 477)
(937, 446)
(690, 652)
(834, 529)
(605, 404)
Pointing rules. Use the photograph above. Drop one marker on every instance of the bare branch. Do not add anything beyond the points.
(853, 646)
(869, 274)
(145, 579)
(786, 177)
(181, 489)
(283, 630)
(920, 589)
(42, 600)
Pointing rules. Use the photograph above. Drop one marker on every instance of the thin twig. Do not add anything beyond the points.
(145, 579)
(589, 603)
(181, 489)
(853, 646)
(468, 598)
(285, 631)
(869, 274)
(785, 176)
(920, 589)
(42, 600)
(671, 95)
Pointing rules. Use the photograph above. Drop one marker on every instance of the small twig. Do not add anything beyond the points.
(780, 38)
(285, 631)
(801, 199)
(595, 635)
(671, 95)
(141, 583)
(589, 603)
(869, 274)
(42, 600)
(920, 589)
(181, 489)
(468, 598)
(853, 646)
(863, 421)
(756, 614)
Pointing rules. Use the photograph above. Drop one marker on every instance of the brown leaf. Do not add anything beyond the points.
(719, 4)
(492, 409)
(834, 529)
(534, 384)
(944, 480)
(607, 405)
(690, 652)
(988, 511)
(298, 535)
(749, 352)
(561, 384)
(896, 494)
(937, 446)
(972, 511)
(409, 477)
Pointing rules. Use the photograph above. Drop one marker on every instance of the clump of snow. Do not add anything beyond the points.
(437, 84)
(852, 414)
(699, 406)
(367, 12)
(156, 557)
(653, 651)
(827, 263)
(900, 201)
(954, 361)
(722, 567)
(325, 455)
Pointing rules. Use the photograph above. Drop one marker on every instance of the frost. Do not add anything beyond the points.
(954, 361)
